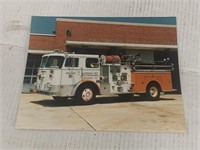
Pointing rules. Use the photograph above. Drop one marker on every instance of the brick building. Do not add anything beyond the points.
(152, 41)
(111, 34)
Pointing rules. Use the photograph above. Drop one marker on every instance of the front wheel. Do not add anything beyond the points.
(85, 94)
(153, 91)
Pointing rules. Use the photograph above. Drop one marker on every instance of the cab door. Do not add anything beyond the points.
(71, 74)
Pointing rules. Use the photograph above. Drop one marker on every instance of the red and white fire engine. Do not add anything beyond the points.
(84, 76)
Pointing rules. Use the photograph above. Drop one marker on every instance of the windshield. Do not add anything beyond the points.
(43, 62)
(52, 62)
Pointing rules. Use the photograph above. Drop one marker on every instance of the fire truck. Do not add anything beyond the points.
(83, 77)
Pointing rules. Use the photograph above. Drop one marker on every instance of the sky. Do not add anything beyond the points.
(47, 25)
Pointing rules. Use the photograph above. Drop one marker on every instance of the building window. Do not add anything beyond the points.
(32, 65)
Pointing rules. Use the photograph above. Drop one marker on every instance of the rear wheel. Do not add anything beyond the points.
(153, 91)
(85, 94)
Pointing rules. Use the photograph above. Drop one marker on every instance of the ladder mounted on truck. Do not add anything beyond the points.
(137, 65)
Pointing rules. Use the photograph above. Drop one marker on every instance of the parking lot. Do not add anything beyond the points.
(37, 111)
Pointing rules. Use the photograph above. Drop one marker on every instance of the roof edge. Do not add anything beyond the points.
(125, 45)
(114, 22)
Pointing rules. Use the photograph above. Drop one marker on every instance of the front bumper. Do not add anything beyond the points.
(47, 88)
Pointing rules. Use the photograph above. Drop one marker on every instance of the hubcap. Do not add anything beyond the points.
(153, 91)
(87, 94)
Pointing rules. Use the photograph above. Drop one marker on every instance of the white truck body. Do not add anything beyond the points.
(63, 76)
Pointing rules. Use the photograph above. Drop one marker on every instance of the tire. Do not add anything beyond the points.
(153, 91)
(85, 94)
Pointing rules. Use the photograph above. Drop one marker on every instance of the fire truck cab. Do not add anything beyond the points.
(85, 76)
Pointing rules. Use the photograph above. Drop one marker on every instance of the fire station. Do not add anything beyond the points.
(154, 41)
